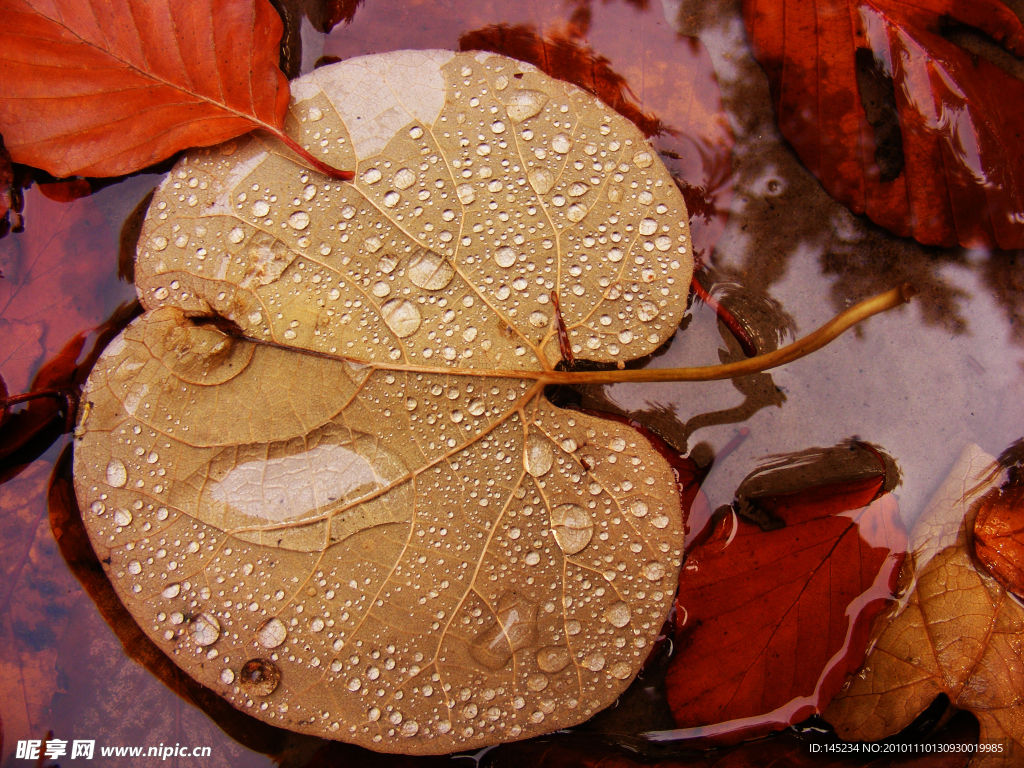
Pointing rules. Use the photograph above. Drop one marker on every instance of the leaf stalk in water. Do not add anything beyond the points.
(812, 342)
(799, 348)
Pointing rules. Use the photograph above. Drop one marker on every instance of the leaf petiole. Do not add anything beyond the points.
(307, 157)
(799, 348)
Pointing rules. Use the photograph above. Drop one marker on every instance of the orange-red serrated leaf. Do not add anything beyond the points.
(138, 80)
(936, 153)
(748, 597)
(999, 536)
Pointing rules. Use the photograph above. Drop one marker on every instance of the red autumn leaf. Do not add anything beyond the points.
(999, 536)
(66, 190)
(139, 80)
(664, 81)
(953, 170)
(59, 382)
(748, 597)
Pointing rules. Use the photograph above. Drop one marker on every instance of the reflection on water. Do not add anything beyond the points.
(922, 381)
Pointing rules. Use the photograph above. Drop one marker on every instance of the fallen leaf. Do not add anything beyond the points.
(687, 473)
(425, 555)
(999, 536)
(66, 190)
(663, 81)
(956, 632)
(894, 120)
(137, 85)
(813, 580)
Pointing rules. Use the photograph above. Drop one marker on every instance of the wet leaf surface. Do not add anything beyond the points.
(419, 545)
(168, 76)
(956, 632)
(625, 53)
(77, 552)
(806, 569)
(786, 240)
(896, 121)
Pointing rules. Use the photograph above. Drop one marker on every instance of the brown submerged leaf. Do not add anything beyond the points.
(958, 632)
(999, 536)
(408, 548)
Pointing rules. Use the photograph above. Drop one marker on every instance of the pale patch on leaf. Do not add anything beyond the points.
(375, 528)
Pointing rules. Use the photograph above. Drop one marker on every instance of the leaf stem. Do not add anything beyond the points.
(799, 348)
(318, 165)
(37, 394)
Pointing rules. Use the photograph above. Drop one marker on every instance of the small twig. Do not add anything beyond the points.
(37, 394)
(69, 397)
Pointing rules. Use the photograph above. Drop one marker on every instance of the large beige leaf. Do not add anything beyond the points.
(958, 632)
(408, 548)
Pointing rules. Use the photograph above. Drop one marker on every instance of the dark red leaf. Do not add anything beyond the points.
(896, 121)
(325, 15)
(664, 81)
(999, 536)
(748, 598)
(67, 190)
